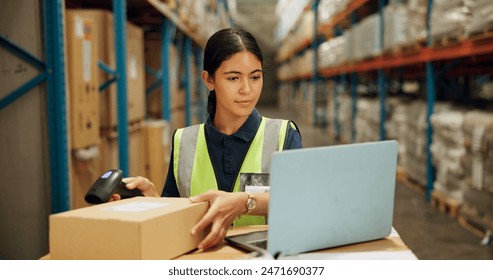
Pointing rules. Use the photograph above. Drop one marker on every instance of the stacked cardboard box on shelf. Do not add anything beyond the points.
(156, 151)
(92, 158)
(83, 79)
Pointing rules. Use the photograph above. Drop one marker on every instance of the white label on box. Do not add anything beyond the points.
(79, 27)
(132, 68)
(86, 60)
(136, 206)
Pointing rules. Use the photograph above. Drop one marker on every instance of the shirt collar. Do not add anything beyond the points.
(246, 132)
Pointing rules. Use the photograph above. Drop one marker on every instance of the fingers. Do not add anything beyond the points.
(221, 214)
(206, 220)
(218, 231)
(143, 184)
(215, 236)
(207, 196)
(209, 216)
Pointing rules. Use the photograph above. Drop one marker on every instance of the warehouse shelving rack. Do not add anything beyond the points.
(427, 56)
(52, 71)
(193, 45)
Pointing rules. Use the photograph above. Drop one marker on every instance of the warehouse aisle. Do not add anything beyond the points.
(430, 234)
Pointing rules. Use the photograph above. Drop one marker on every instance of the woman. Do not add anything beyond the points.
(207, 159)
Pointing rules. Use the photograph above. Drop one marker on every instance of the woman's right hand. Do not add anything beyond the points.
(143, 184)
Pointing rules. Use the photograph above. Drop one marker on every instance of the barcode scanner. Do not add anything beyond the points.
(108, 184)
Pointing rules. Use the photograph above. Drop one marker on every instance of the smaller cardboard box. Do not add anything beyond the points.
(157, 138)
(132, 229)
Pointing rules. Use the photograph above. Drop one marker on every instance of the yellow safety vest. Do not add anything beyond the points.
(190, 150)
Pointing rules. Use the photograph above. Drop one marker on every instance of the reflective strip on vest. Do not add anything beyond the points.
(190, 149)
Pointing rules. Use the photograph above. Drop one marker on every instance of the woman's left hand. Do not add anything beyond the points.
(224, 208)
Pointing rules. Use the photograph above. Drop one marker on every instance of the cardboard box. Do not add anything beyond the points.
(178, 118)
(83, 79)
(157, 138)
(135, 228)
(109, 149)
(104, 32)
(135, 72)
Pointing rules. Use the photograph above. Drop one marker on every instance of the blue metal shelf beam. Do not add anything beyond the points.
(430, 102)
(168, 31)
(21, 53)
(26, 56)
(57, 103)
(354, 103)
(120, 19)
(337, 105)
(382, 92)
(314, 47)
(10, 98)
(354, 81)
(113, 74)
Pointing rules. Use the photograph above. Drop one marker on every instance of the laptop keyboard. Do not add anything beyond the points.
(259, 243)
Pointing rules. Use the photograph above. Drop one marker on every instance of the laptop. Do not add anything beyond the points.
(326, 197)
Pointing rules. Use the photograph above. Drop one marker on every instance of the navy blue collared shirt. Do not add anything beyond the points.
(228, 151)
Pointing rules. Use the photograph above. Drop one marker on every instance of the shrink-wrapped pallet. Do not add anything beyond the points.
(447, 151)
(449, 19)
(482, 19)
(478, 132)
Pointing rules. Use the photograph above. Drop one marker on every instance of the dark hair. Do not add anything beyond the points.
(221, 46)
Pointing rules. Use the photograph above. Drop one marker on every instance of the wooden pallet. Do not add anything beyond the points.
(401, 174)
(445, 204)
(447, 40)
(407, 181)
(485, 33)
(404, 50)
(482, 227)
